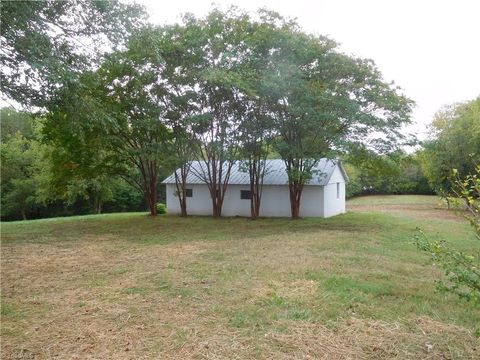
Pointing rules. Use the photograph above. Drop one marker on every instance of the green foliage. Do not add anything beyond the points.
(466, 195)
(13, 122)
(322, 100)
(462, 268)
(34, 185)
(393, 173)
(47, 43)
(19, 164)
(455, 144)
(161, 208)
(216, 88)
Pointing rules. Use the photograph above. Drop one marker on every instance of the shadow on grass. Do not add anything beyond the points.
(143, 229)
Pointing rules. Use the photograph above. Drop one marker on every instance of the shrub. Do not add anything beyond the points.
(462, 269)
(161, 208)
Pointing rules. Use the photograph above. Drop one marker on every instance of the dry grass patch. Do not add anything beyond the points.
(132, 287)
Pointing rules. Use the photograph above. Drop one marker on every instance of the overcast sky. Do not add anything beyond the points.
(429, 48)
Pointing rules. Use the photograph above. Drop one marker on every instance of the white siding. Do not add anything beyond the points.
(334, 205)
(317, 201)
(275, 201)
(199, 204)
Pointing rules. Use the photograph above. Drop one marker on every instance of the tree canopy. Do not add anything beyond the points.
(47, 43)
(224, 87)
(454, 144)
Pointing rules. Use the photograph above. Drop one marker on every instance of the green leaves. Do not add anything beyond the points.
(455, 144)
(462, 270)
(45, 43)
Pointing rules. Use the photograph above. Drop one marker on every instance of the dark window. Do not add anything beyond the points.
(188, 192)
(245, 194)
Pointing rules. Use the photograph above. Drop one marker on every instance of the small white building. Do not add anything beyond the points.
(323, 196)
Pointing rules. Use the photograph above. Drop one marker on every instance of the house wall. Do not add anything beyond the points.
(275, 201)
(317, 201)
(334, 204)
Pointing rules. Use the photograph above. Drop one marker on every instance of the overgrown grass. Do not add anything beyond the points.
(128, 285)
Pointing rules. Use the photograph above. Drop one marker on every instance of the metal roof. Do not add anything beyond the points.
(275, 173)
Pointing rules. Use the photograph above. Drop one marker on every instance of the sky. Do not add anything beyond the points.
(431, 49)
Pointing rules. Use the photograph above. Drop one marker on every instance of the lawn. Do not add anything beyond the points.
(131, 286)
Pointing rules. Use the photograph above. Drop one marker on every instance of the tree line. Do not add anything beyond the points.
(118, 100)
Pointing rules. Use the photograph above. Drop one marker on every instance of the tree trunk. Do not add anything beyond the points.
(255, 200)
(152, 206)
(24, 215)
(256, 172)
(97, 204)
(180, 184)
(253, 193)
(295, 196)
(253, 207)
(151, 197)
(216, 205)
(183, 205)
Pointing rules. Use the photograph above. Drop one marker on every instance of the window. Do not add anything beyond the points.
(188, 193)
(338, 190)
(245, 194)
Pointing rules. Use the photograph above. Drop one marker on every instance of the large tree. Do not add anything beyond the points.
(326, 101)
(215, 49)
(47, 43)
(19, 159)
(112, 121)
(255, 134)
(130, 117)
(248, 69)
(454, 143)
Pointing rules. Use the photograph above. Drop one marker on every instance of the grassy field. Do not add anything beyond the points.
(130, 286)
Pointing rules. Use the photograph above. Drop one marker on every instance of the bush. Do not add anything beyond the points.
(462, 269)
(161, 208)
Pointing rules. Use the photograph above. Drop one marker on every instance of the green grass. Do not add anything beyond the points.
(200, 287)
(396, 200)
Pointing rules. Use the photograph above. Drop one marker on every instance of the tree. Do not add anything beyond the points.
(183, 146)
(19, 157)
(255, 138)
(48, 43)
(321, 100)
(256, 131)
(454, 143)
(393, 173)
(180, 101)
(135, 109)
(325, 101)
(59, 180)
(215, 49)
(13, 122)
(232, 82)
(122, 131)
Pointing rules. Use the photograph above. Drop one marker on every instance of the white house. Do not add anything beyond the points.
(323, 196)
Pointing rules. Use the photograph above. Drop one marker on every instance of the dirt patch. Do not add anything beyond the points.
(414, 210)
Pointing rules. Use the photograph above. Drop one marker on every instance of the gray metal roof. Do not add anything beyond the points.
(275, 173)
